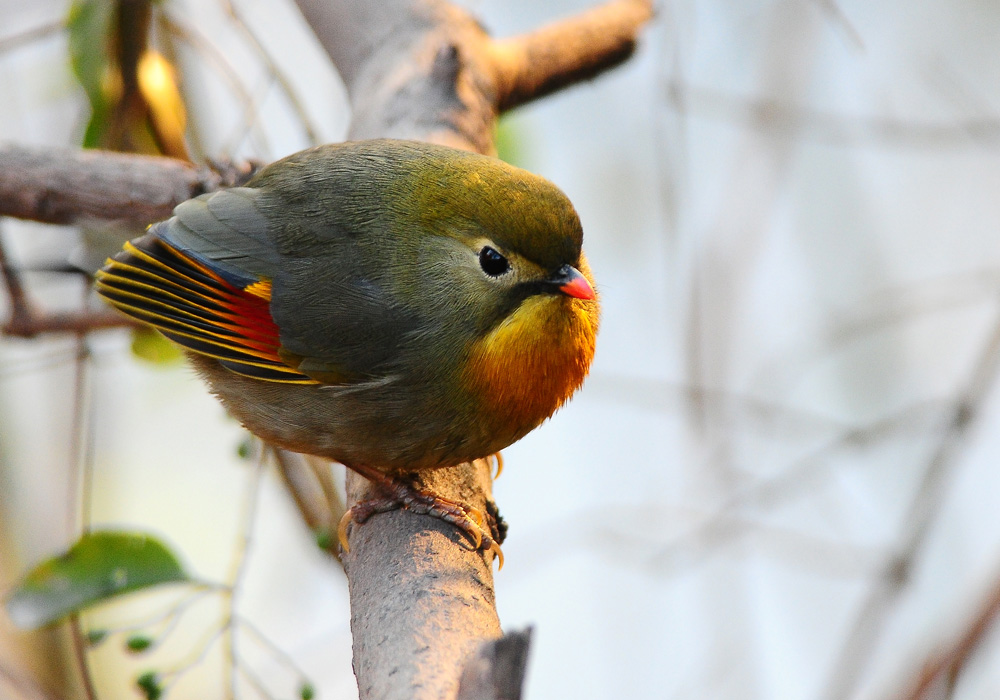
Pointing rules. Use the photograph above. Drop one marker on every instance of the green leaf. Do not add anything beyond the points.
(149, 345)
(89, 24)
(244, 450)
(100, 566)
(138, 643)
(324, 538)
(149, 684)
(307, 692)
(95, 637)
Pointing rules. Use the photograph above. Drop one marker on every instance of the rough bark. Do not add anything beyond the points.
(496, 672)
(422, 599)
(71, 185)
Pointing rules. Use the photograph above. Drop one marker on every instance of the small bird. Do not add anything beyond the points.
(395, 306)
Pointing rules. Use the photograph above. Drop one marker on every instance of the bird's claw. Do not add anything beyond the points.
(498, 458)
(483, 529)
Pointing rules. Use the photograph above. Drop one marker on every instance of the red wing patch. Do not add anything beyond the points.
(195, 307)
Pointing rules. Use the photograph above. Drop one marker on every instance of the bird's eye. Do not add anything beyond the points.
(492, 262)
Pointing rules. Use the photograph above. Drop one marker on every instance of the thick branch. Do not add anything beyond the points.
(353, 33)
(428, 70)
(67, 185)
(496, 671)
(422, 598)
(536, 64)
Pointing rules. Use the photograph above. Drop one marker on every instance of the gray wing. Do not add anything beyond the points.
(338, 323)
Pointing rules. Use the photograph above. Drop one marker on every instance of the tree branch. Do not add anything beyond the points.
(422, 598)
(496, 671)
(943, 668)
(455, 79)
(537, 64)
(70, 185)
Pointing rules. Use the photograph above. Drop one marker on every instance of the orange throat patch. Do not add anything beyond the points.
(527, 366)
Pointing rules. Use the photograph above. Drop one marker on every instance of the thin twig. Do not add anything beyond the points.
(80, 654)
(199, 42)
(81, 436)
(276, 651)
(717, 528)
(15, 41)
(947, 665)
(77, 323)
(78, 507)
(196, 658)
(255, 681)
(173, 611)
(310, 484)
(787, 119)
(311, 131)
(20, 307)
(872, 614)
(322, 469)
(249, 127)
(241, 557)
(837, 16)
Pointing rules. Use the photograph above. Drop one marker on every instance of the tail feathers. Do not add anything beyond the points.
(195, 307)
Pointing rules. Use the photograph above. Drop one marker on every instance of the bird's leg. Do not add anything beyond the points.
(486, 530)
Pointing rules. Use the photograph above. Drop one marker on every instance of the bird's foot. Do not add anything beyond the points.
(486, 530)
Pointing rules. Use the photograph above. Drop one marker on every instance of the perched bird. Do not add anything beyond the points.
(395, 306)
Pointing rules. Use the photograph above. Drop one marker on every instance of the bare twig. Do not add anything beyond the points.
(783, 118)
(79, 643)
(82, 322)
(719, 526)
(856, 651)
(20, 309)
(27, 322)
(838, 18)
(16, 41)
(241, 558)
(310, 484)
(280, 79)
(945, 666)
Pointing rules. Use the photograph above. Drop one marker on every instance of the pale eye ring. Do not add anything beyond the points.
(493, 263)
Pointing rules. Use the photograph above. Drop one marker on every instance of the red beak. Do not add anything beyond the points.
(572, 283)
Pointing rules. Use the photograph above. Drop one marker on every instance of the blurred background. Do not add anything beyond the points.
(781, 479)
